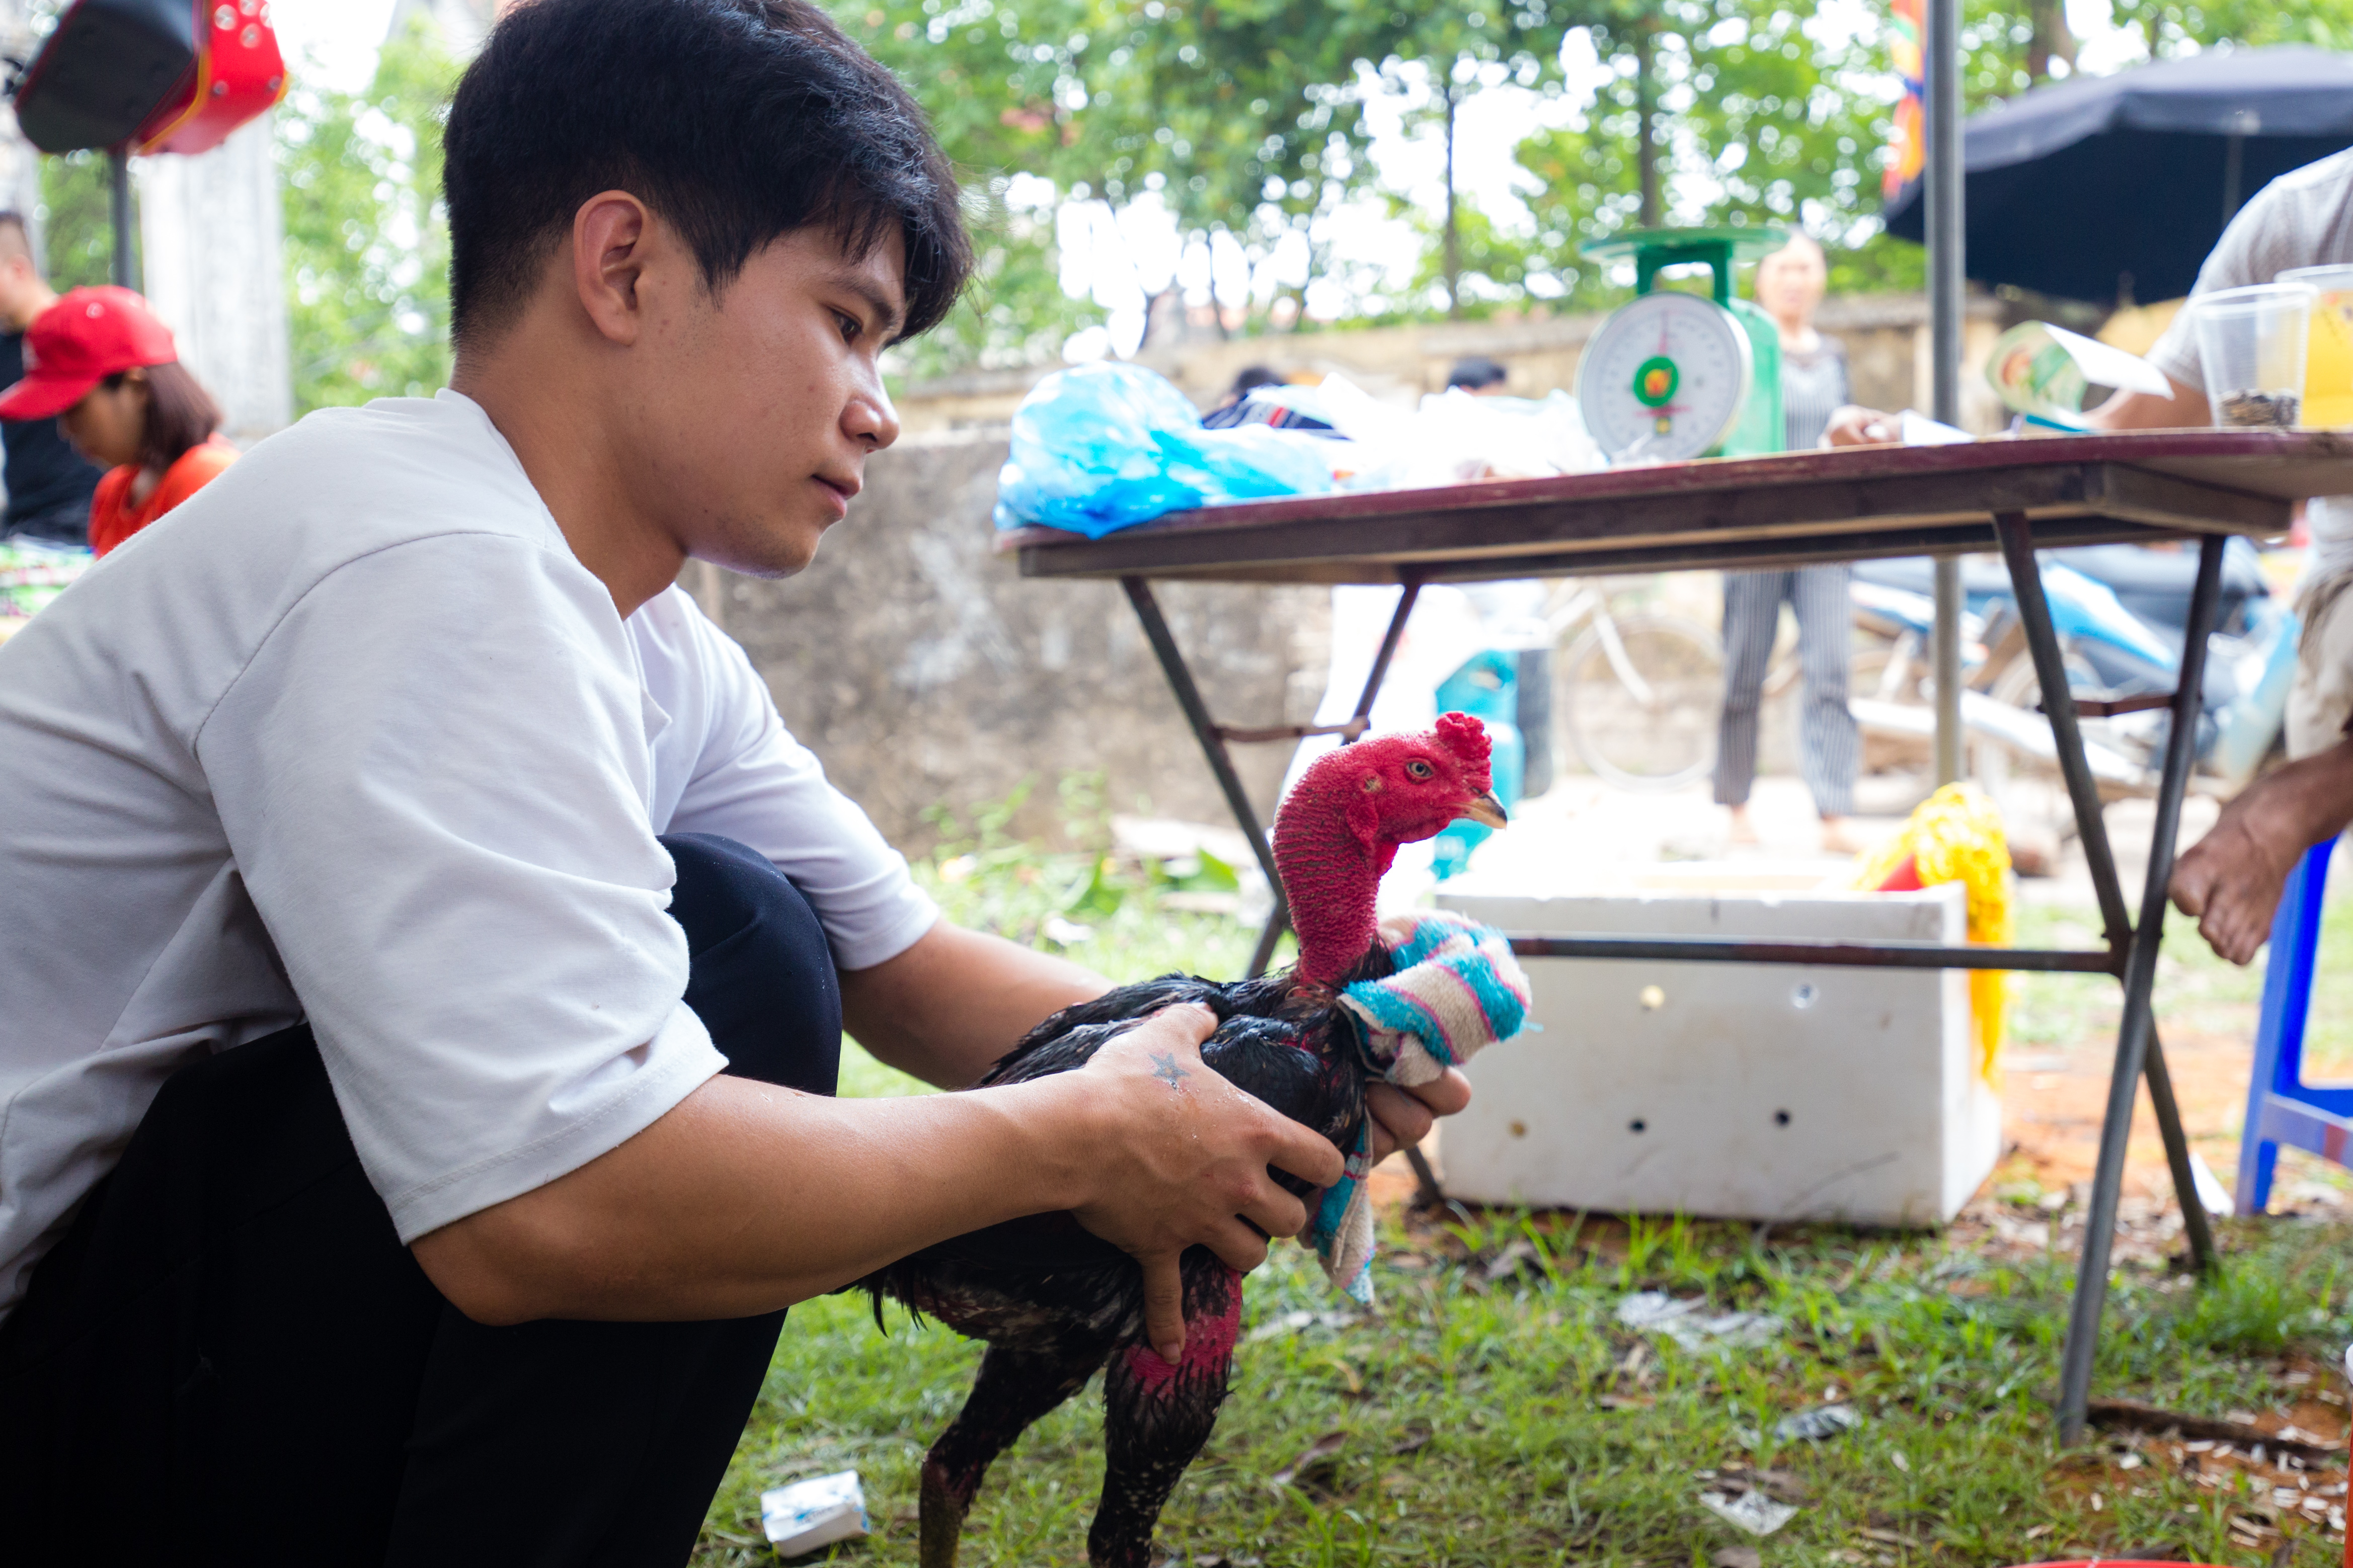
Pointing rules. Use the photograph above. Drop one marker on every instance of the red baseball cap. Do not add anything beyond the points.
(88, 335)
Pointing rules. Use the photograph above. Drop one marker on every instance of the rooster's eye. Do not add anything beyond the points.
(1418, 768)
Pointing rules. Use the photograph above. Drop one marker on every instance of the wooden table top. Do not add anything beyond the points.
(1840, 504)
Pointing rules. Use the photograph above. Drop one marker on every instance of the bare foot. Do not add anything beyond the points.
(1837, 838)
(1742, 830)
(2230, 879)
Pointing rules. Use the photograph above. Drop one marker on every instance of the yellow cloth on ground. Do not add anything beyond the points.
(1955, 836)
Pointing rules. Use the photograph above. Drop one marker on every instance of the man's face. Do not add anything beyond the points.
(762, 406)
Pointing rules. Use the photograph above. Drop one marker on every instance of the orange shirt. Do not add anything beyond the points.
(112, 517)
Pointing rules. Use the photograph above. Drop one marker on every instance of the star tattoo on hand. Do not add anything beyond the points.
(1165, 1068)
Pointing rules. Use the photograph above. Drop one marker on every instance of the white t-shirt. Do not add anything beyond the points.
(350, 736)
(2303, 218)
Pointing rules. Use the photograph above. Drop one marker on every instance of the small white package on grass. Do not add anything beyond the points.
(812, 1513)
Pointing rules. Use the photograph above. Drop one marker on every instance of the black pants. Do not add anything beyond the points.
(231, 1358)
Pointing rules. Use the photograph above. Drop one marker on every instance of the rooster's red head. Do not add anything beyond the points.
(1400, 789)
(1341, 824)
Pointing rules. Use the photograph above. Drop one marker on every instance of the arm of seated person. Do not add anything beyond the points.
(746, 1198)
(1855, 426)
(949, 1006)
(2186, 409)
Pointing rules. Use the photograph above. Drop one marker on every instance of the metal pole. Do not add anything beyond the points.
(2017, 534)
(1946, 252)
(1388, 653)
(2196, 1226)
(118, 168)
(1205, 728)
(2139, 1024)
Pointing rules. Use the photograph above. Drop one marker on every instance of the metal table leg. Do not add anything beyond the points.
(1221, 762)
(1205, 728)
(1212, 736)
(2134, 1035)
(2034, 615)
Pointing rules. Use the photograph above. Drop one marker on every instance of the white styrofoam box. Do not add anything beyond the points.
(1747, 1091)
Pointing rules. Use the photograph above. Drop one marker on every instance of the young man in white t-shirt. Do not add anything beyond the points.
(426, 952)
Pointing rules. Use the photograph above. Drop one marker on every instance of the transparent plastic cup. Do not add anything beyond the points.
(2328, 354)
(2251, 345)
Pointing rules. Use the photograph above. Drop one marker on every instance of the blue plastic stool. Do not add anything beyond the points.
(2281, 1107)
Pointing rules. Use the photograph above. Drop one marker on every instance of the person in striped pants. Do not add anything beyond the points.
(1790, 284)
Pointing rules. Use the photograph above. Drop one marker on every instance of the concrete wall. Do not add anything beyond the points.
(924, 670)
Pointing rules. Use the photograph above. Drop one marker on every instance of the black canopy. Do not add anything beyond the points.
(2092, 186)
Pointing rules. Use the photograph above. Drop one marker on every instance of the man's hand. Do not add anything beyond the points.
(1403, 1117)
(1854, 426)
(1184, 1158)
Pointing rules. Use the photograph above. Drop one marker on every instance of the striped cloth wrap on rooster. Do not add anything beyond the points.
(1457, 990)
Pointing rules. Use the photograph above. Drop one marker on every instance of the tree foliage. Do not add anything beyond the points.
(368, 240)
(77, 232)
(1764, 121)
(2173, 26)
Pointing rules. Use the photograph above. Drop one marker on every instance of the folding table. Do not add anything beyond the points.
(1846, 504)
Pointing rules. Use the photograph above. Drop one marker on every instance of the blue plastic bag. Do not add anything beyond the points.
(1103, 447)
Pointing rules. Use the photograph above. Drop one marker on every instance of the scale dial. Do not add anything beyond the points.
(1664, 378)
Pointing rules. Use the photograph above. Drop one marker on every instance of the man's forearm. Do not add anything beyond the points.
(745, 1197)
(697, 1216)
(2186, 409)
(949, 1006)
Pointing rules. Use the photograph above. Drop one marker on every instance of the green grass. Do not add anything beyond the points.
(1473, 1399)
(2196, 991)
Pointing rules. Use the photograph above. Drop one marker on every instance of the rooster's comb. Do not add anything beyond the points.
(1465, 739)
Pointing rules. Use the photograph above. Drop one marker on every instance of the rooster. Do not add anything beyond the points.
(1054, 1302)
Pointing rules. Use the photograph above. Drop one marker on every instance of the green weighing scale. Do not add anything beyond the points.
(1670, 376)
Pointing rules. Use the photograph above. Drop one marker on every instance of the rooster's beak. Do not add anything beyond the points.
(1487, 809)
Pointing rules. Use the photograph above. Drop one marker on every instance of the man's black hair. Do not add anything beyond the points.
(1475, 372)
(1252, 376)
(736, 121)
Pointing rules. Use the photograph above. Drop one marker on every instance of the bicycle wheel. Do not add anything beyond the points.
(1641, 715)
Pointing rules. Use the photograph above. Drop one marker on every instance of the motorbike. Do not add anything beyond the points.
(2121, 613)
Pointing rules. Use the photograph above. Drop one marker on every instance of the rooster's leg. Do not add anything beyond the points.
(1014, 1389)
(1157, 1416)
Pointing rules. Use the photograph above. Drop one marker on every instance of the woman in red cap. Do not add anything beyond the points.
(108, 372)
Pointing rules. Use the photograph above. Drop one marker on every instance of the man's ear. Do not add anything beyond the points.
(612, 241)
